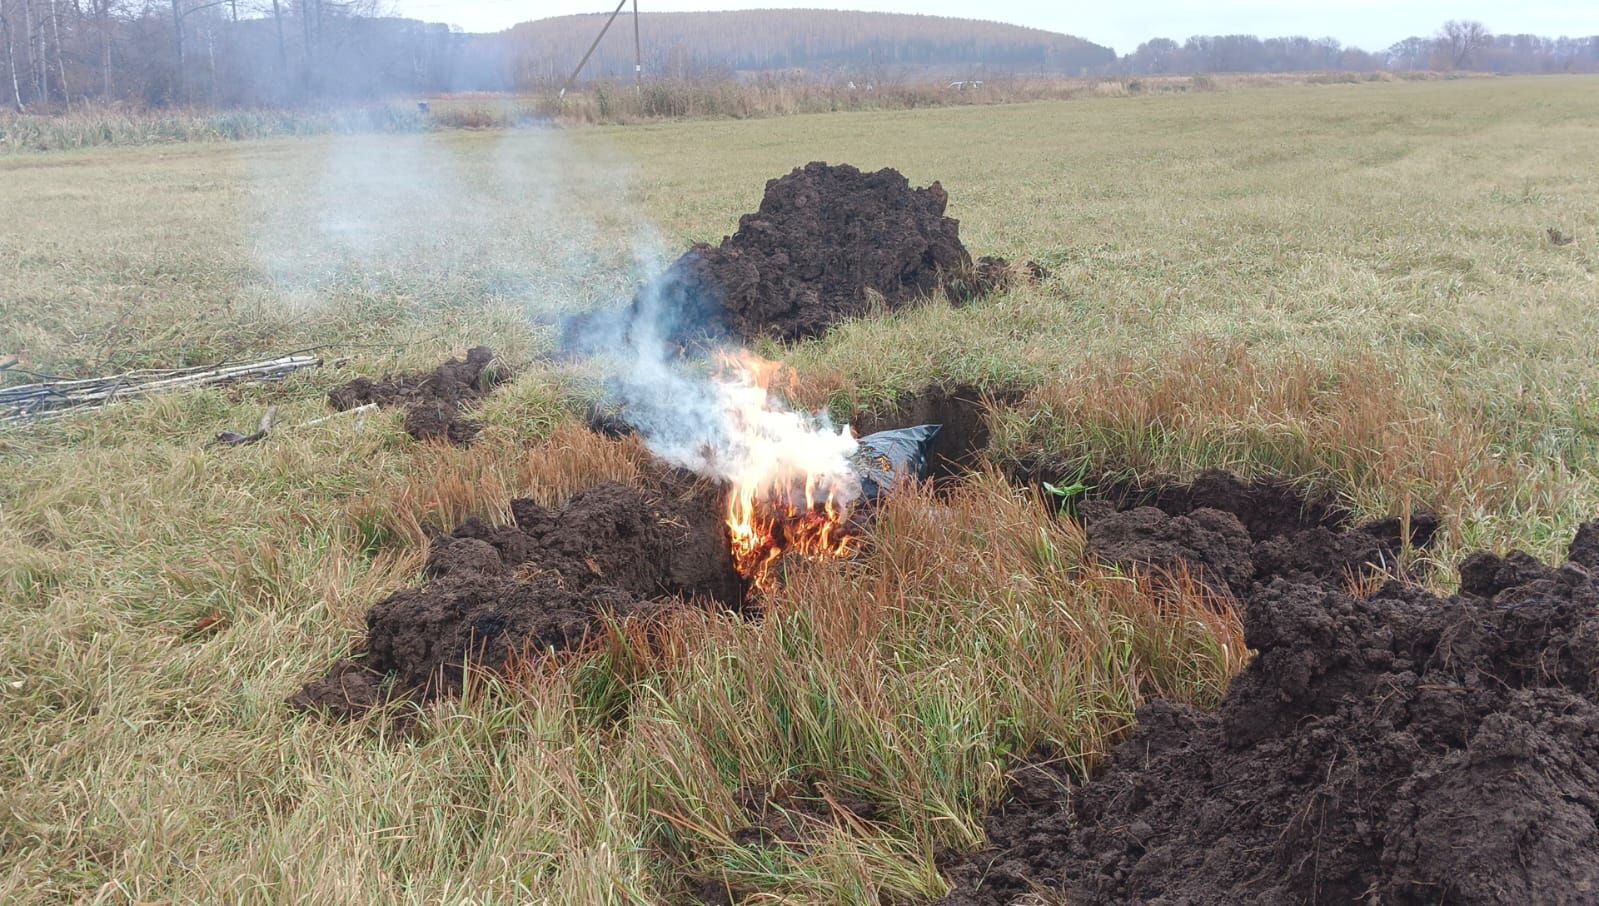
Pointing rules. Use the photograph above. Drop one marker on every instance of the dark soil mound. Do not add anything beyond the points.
(823, 238)
(1212, 541)
(1235, 533)
(1585, 547)
(433, 400)
(1397, 749)
(1266, 507)
(545, 583)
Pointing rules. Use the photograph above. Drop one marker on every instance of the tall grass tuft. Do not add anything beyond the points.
(87, 127)
(876, 706)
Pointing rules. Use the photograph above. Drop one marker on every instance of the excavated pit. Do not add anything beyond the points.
(961, 411)
(550, 579)
(1384, 747)
(434, 401)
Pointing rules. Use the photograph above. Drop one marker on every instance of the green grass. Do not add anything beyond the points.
(1347, 285)
(709, 98)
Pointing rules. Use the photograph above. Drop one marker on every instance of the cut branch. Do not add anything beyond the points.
(29, 402)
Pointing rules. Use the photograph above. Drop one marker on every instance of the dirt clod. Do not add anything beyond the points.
(1235, 533)
(433, 400)
(545, 583)
(1585, 547)
(826, 243)
(1393, 748)
(1213, 541)
(1267, 508)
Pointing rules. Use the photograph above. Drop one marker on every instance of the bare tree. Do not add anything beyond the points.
(1461, 40)
(41, 90)
(179, 14)
(11, 58)
(283, 52)
(177, 37)
(61, 62)
(307, 10)
(102, 14)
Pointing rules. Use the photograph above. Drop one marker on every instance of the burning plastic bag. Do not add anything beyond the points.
(888, 457)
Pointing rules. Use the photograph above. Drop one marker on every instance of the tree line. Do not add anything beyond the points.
(1457, 45)
(55, 54)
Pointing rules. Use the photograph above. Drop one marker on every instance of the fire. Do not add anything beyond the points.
(767, 523)
(792, 486)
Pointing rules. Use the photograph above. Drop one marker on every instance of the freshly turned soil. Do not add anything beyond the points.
(545, 583)
(1401, 748)
(433, 400)
(828, 242)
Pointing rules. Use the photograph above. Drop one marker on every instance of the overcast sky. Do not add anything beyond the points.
(1369, 24)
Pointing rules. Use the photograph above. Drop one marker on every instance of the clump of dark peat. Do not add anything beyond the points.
(433, 400)
(1387, 746)
(828, 242)
(822, 238)
(546, 582)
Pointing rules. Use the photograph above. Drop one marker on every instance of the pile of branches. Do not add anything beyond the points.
(55, 397)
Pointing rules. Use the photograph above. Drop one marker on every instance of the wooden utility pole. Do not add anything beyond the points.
(638, 54)
(597, 38)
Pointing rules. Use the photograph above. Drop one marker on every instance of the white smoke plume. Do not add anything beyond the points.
(713, 413)
(530, 218)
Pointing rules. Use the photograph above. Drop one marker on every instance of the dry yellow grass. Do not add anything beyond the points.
(1349, 427)
(1347, 285)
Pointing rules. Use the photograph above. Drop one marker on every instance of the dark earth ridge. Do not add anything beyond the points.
(1392, 747)
(828, 242)
(546, 582)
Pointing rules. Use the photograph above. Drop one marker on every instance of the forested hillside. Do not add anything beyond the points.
(56, 54)
(768, 40)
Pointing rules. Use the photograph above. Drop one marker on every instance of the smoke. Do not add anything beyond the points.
(357, 226)
(442, 222)
(709, 409)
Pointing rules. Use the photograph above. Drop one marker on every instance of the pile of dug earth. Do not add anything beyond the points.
(1388, 746)
(542, 584)
(825, 242)
(829, 242)
(434, 401)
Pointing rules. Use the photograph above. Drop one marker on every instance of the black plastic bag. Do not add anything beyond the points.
(886, 458)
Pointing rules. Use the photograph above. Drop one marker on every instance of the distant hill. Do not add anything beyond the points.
(793, 40)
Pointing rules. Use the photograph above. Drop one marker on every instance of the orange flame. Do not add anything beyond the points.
(792, 485)
(766, 524)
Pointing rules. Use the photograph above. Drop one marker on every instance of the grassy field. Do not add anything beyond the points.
(715, 98)
(1347, 285)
